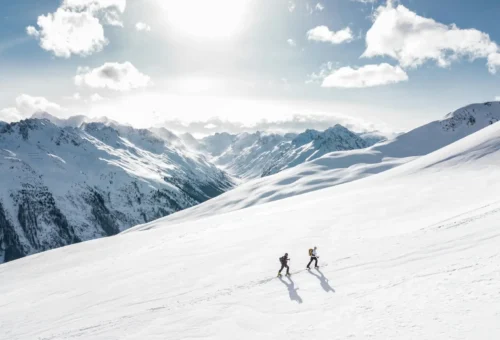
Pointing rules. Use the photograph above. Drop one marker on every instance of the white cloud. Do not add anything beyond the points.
(325, 70)
(291, 42)
(112, 76)
(96, 98)
(96, 4)
(10, 114)
(323, 34)
(413, 40)
(366, 76)
(32, 31)
(494, 62)
(291, 6)
(310, 9)
(77, 96)
(76, 27)
(27, 105)
(108, 10)
(141, 26)
(497, 98)
(66, 32)
(319, 6)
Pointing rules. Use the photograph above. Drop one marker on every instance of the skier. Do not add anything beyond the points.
(314, 257)
(284, 264)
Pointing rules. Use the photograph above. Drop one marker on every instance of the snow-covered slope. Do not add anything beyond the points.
(313, 144)
(422, 140)
(253, 155)
(65, 185)
(218, 143)
(411, 253)
(346, 166)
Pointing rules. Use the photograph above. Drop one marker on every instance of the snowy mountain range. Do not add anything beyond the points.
(313, 144)
(408, 253)
(254, 155)
(340, 167)
(70, 180)
(62, 185)
(66, 181)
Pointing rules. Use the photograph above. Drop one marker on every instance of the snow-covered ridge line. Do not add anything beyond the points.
(341, 167)
(62, 185)
(259, 154)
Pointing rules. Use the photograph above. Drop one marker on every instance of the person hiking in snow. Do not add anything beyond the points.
(284, 264)
(314, 257)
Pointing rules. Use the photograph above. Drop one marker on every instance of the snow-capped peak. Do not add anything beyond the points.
(62, 185)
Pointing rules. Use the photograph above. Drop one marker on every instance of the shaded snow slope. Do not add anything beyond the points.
(65, 185)
(410, 253)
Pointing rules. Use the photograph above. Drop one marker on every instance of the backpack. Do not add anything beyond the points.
(310, 252)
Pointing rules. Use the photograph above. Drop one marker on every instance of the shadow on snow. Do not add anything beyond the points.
(292, 291)
(323, 281)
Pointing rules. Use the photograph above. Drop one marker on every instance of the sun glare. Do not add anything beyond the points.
(214, 19)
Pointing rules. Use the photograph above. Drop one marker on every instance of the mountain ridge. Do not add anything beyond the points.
(66, 185)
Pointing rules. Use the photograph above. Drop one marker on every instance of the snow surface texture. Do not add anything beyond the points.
(66, 185)
(341, 167)
(410, 253)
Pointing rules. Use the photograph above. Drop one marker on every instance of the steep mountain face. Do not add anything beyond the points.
(217, 144)
(253, 155)
(250, 154)
(313, 144)
(62, 185)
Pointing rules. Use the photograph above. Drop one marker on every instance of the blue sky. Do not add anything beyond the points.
(147, 61)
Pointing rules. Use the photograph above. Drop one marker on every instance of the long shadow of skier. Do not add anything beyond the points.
(323, 281)
(292, 291)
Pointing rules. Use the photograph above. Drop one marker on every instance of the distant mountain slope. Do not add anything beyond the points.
(313, 144)
(253, 155)
(346, 166)
(250, 153)
(65, 185)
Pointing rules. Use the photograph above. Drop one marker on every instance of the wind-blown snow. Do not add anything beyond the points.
(411, 253)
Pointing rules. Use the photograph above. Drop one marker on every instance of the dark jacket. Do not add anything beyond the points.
(284, 259)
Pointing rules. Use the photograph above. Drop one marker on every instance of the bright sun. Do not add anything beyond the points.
(210, 19)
